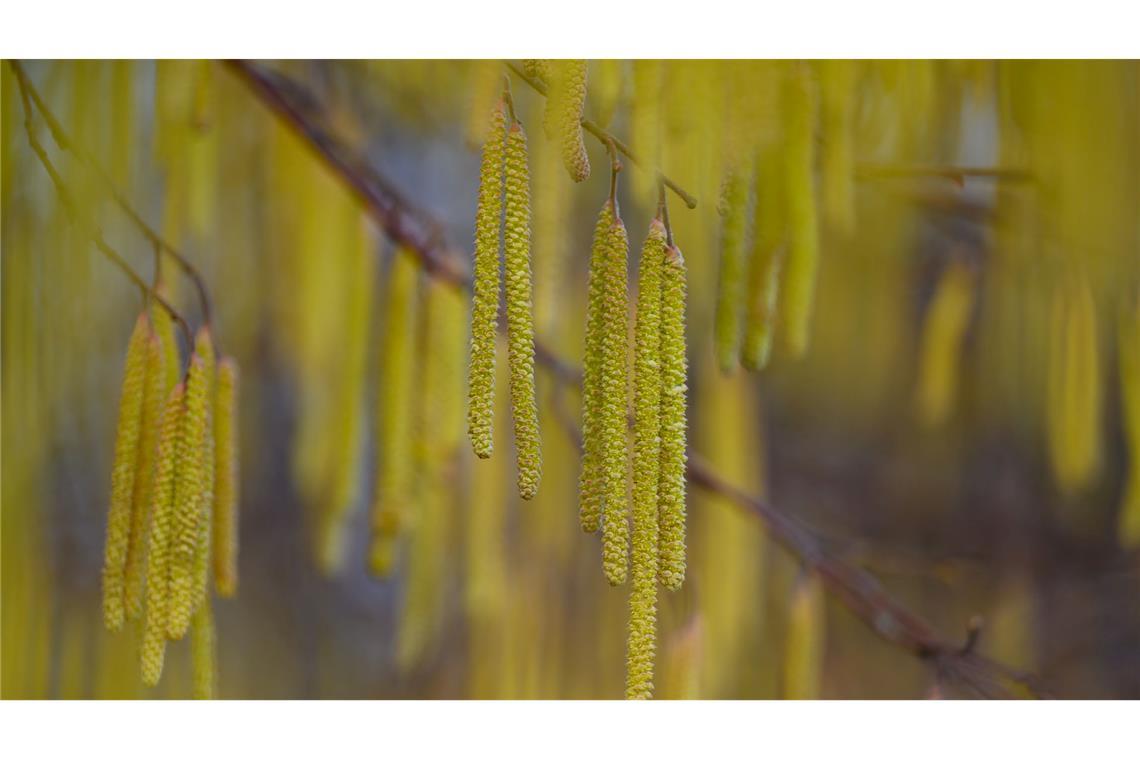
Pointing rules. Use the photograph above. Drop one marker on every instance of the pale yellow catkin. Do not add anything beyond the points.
(615, 406)
(486, 80)
(162, 524)
(591, 483)
(564, 106)
(226, 479)
(733, 264)
(485, 297)
(394, 411)
(943, 331)
(203, 551)
(804, 649)
(607, 81)
(803, 233)
(837, 79)
(123, 474)
(674, 423)
(765, 262)
(203, 653)
(642, 638)
(520, 317)
(645, 119)
(1129, 360)
(1074, 393)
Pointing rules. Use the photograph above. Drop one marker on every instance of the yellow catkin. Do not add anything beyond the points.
(674, 392)
(226, 479)
(171, 356)
(394, 411)
(606, 81)
(203, 653)
(803, 232)
(645, 126)
(591, 484)
(837, 162)
(642, 642)
(947, 318)
(564, 109)
(162, 523)
(520, 317)
(123, 474)
(485, 298)
(190, 484)
(485, 84)
(1074, 389)
(807, 628)
(153, 397)
(203, 550)
(1129, 360)
(537, 68)
(615, 406)
(766, 260)
(730, 287)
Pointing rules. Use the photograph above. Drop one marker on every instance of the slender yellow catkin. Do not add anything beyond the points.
(615, 406)
(485, 298)
(394, 411)
(943, 330)
(485, 83)
(203, 652)
(226, 479)
(803, 232)
(123, 474)
(564, 108)
(674, 371)
(807, 628)
(606, 78)
(591, 483)
(1074, 389)
(520, 317)
(837, 162)
(642, 642)
(730, 287)
(537, 68)
(171, 357)
(765, 263)
(190, 484)
(1129, 360)
(162, 524)
(203, 550)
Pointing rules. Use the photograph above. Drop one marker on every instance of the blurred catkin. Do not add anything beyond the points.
(615, 405)
(837, 162)
(803, 232)
(606, 83)
(733, 264)
(124, 473)
(203, 652)
(485, 298)
(807, 628)
(764, 264)
(645, 126)
(674, 425)
(486, 82)
(226, 479)
(520, 316)
(1129, 360)
(943, 331)
(564, 107)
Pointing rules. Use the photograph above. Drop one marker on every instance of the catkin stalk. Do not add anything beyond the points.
(485, 299)
(803, 231)
(124, 473)
(674, 371)
(730, 291)
(520, 317)
(226, 479)
(615, 405)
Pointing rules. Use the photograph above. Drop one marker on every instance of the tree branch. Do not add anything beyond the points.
(854, 587)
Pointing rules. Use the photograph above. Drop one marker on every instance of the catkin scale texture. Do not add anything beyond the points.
(615, 406)
(520, 316)
(803, 232)
(564, 113)
(674, 389)
(226, 479)
(203, 657)
(485, 298)
(124, 473)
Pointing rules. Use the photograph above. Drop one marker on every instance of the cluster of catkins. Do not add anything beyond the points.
(173, 512)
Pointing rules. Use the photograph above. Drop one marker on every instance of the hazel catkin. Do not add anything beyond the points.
(520, 317)
(803, 656)
(766, 260)
(203, 652)
(485, 298)
(674, 369)
(730, 286)
(803, 233)
(226, 479)
(615, 406)
(564, 108)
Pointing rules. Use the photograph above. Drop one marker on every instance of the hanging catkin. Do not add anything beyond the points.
(394, 411)
(204, 549)
(171, 356)
(591, 484)
(1129, 360)
(162, 524)
(1074, 388)
(768, 236)
(730, 287)
(607, 80)
(226, 479)
(537, 68)
(486, 79)
(615, 406)
(123, 473)
(837, 162)
(191, 481)
(642, 640)
(803, 232)
(943, 330)
(564, 109)
(485, 298)
(520, 318)
(645, 125)
(674, 370)
(807, 628)
(203, 654)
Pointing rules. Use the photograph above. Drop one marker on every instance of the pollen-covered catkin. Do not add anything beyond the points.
(564, 112)
(674, 370)
(803, 232)
(162, 523)
(642, 639)
(765, 263)
(204, 549)
(226, 479)
(123, 474)
(520, 317)
(485, 298)
(537, 68)
(730, 287)
(615, 406)
(803, 656)
(591, 483)
(203, 655)
(189, 491)
(394, 411)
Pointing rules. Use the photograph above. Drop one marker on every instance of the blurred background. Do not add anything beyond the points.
(959, 425)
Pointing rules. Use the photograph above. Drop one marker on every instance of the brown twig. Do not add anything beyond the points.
(853, 586)
(956, 174)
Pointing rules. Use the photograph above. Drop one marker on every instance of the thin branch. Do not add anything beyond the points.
(853, 586)
(956, 174)
(93, 230)
(606, 137)
(67, 143)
